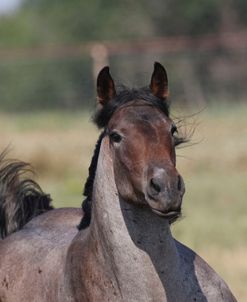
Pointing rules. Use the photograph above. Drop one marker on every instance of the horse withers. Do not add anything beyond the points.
(124, 250)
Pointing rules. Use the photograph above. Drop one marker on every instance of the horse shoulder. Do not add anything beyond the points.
(33, 259)
(212, 286)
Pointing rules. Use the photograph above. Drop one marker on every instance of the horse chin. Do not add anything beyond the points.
(169, 215)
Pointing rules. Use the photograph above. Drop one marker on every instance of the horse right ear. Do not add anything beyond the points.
(105, 86)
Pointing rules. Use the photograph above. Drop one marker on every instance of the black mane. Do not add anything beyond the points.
(101, 119)
(88, 187)
(21, 198)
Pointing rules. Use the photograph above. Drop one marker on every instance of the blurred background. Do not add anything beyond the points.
(50, 53)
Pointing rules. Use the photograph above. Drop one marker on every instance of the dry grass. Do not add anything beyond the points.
(59, 146)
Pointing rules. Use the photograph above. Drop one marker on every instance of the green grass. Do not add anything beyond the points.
(60, 144)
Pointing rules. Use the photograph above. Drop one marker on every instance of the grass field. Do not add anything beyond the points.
(59, 146)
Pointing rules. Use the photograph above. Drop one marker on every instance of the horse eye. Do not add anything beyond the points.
(115, 137)
(174, 130)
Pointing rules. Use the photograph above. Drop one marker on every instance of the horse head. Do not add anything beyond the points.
(142, 140)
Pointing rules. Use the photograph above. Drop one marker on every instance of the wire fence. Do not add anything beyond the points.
(211, 68)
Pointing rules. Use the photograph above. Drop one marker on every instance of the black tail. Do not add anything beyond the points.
(21, 198)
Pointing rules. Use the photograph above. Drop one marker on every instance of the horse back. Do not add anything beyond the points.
(33, 259)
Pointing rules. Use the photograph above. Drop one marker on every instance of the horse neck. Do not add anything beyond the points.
(137, 245)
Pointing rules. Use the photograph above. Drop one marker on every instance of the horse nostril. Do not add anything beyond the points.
(179, 183)
(155, 185)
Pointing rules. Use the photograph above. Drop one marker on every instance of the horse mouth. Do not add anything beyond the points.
(171, 215)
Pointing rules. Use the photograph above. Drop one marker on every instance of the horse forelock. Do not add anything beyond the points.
(124, 96)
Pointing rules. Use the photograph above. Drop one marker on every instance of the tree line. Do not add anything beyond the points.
(67, 82)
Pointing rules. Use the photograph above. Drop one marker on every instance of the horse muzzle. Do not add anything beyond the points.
(164, 193)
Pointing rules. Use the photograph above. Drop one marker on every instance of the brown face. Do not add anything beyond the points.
(141, 139)
(143, 146)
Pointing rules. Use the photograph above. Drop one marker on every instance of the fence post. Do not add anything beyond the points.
(100, 56)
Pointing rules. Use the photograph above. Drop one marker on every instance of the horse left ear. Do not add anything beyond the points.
(105, 86)
(159, 81)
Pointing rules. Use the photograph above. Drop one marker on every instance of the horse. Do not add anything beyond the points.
(124, 249)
